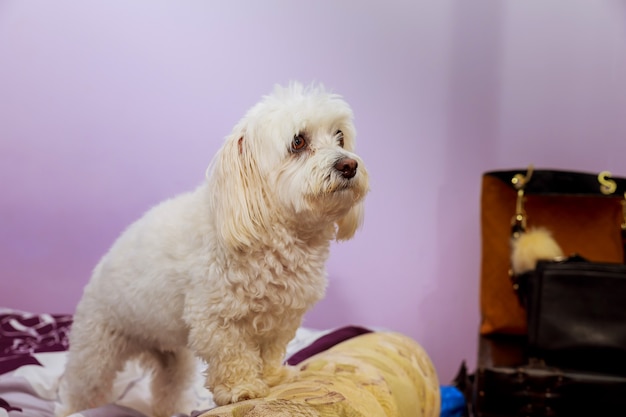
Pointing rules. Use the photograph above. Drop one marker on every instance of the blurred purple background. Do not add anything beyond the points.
(108, 107)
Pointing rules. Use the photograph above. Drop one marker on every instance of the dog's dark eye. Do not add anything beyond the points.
(339, 135)
(299, 143)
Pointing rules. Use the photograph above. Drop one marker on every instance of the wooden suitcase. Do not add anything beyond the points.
(508, 383)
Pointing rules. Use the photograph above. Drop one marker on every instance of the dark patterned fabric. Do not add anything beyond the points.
(22, 334)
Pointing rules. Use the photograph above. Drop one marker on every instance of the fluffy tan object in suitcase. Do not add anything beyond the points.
(380, 374)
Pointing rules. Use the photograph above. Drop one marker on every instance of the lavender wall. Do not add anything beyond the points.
(107, 107)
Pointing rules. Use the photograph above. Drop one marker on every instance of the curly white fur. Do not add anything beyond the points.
(227, 271)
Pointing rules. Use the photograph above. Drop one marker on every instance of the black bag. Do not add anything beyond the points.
(577, 314)
(508, 383)
(570, 360)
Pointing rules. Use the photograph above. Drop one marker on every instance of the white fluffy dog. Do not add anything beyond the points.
(227, 271)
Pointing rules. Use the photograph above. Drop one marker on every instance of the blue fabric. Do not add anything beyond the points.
(452, 402)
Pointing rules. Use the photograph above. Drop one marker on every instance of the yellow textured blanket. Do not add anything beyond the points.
(379, 374)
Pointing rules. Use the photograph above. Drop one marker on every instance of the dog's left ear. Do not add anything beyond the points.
(348, 224)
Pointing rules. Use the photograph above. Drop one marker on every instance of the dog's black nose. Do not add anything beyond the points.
(347, 167)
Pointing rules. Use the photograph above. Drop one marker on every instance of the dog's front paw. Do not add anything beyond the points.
(223, 395)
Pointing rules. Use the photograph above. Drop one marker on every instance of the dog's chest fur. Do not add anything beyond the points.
(282, 277)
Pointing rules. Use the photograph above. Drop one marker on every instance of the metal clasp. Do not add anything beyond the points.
(518, 222)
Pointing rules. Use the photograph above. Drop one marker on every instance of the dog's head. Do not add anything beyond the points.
(291, 158)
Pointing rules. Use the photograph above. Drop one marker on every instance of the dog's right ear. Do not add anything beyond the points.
(236, 188)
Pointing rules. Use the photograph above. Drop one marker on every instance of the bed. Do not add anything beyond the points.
(349, 371)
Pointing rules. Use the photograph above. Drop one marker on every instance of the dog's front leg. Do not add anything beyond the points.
(235, 366)
(275, 372)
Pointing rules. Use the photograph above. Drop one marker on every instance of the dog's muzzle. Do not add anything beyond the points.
(347, 167)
